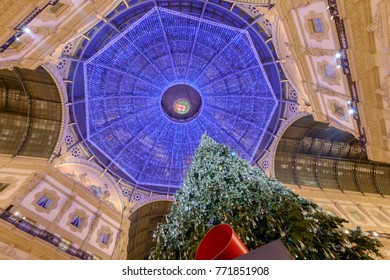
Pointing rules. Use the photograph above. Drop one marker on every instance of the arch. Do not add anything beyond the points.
(315, 154)
(143, 222)
(31, 113)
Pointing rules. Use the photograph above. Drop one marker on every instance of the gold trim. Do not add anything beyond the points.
(106, 230)
(83, 215)
(321, 69)
(318, 36)
(332, 104)
(51, 194)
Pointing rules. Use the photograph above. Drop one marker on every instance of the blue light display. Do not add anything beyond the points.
(124, 82)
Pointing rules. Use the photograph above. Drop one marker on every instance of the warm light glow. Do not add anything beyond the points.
(182, 106)
(26, 30)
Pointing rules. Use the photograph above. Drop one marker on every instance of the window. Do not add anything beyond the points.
(316, 26)
(104, 237)
(339, 110)
(45, 201)
(3, 186)
(78, 220)
(328, 72)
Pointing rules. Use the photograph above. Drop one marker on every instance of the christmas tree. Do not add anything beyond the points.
(220, 187)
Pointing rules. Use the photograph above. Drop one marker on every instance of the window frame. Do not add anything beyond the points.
(50, 194)
(323, 69)
(82, 215)
(309, 26)
(105, 230)
(314, 23)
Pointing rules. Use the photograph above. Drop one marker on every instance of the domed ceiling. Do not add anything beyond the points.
(155, 77)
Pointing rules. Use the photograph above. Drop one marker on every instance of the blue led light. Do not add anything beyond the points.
(124, 82)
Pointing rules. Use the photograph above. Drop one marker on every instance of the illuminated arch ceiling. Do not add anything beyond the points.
(156, 76)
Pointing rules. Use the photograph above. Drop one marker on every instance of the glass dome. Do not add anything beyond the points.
(163, 81)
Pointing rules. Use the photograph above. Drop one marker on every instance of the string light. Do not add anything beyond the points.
(26, 30)
(126, 79)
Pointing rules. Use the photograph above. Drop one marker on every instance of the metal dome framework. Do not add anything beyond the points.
(130, 60)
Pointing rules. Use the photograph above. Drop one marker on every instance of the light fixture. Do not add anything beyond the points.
(85, 37)
(331, 17)
(338, 55)
(349, 101)
(351, 111)
(102, 174)
(374, 233)
(327, 7)
(26, 30)
(338, 66)
(16, 213)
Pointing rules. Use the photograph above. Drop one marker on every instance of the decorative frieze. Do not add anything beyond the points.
(376, 26)
(319, 52)
(384, 92)
(300, 3)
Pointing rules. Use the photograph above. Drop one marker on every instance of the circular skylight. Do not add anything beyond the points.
(182, 106)
(153, 90)
(181, 103)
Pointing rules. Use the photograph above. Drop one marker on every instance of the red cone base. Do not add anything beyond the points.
(220, 243)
